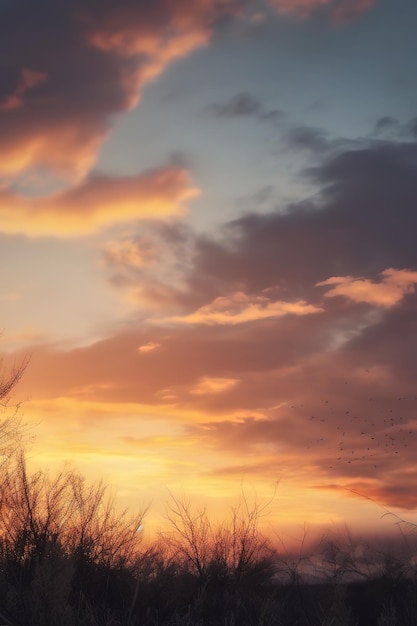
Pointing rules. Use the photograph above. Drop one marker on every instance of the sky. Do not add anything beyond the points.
(208, 217)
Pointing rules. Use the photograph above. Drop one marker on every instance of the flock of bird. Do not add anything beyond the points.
(349, 437)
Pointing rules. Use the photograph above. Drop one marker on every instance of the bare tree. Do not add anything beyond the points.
(231, 551)
(189, 536)
(10, 422)
(8, 382)
(240, 548)
(99, 531)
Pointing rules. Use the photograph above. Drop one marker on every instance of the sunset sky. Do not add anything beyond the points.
(208, 238)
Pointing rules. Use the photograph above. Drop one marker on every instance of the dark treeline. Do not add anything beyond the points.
(69, 557)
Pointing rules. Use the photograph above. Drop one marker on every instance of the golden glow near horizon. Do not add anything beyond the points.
(207, 223)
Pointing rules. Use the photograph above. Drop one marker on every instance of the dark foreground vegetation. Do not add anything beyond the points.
(68, 557)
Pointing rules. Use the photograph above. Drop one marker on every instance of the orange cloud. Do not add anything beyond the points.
(240, 308)
(97, 203)
(159, 52)
(66, 147)
(207, 385)
(341, 10)
(81, 69)
(149, 347)
(394, 285)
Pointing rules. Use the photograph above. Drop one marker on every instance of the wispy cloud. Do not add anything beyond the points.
(241, 105)
(207, 385)
(239, 308)
(129, 253)
(245, 104)
(340, 10)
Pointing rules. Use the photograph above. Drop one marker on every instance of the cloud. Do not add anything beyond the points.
(181, 356)
(206, 385)
(267, 397)
(348, 10)
(28, 81)
(388, 493)
(148, 268)
(385, 125)
(359, 222)
(240, 308)
(341, 10)
(313, 139)
(390, 129)
(72, 66)
(149, 347)
(241, 105)
(129, 253)
(412, 128)
(97, 203)
(395, 284)
(244, 105)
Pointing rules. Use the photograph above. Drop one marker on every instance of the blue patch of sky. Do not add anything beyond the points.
(337, 78)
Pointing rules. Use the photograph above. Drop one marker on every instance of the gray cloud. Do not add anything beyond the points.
(314, 139)
(245, 105)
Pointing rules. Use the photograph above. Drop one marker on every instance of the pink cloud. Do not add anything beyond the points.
(239, 308)
(341, 10)
(348, 10)
(388, 292)
(28, 81)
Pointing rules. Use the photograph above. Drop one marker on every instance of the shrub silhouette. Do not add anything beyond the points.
(62, 544)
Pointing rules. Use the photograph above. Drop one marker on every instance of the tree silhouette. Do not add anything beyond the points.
(10, 423)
